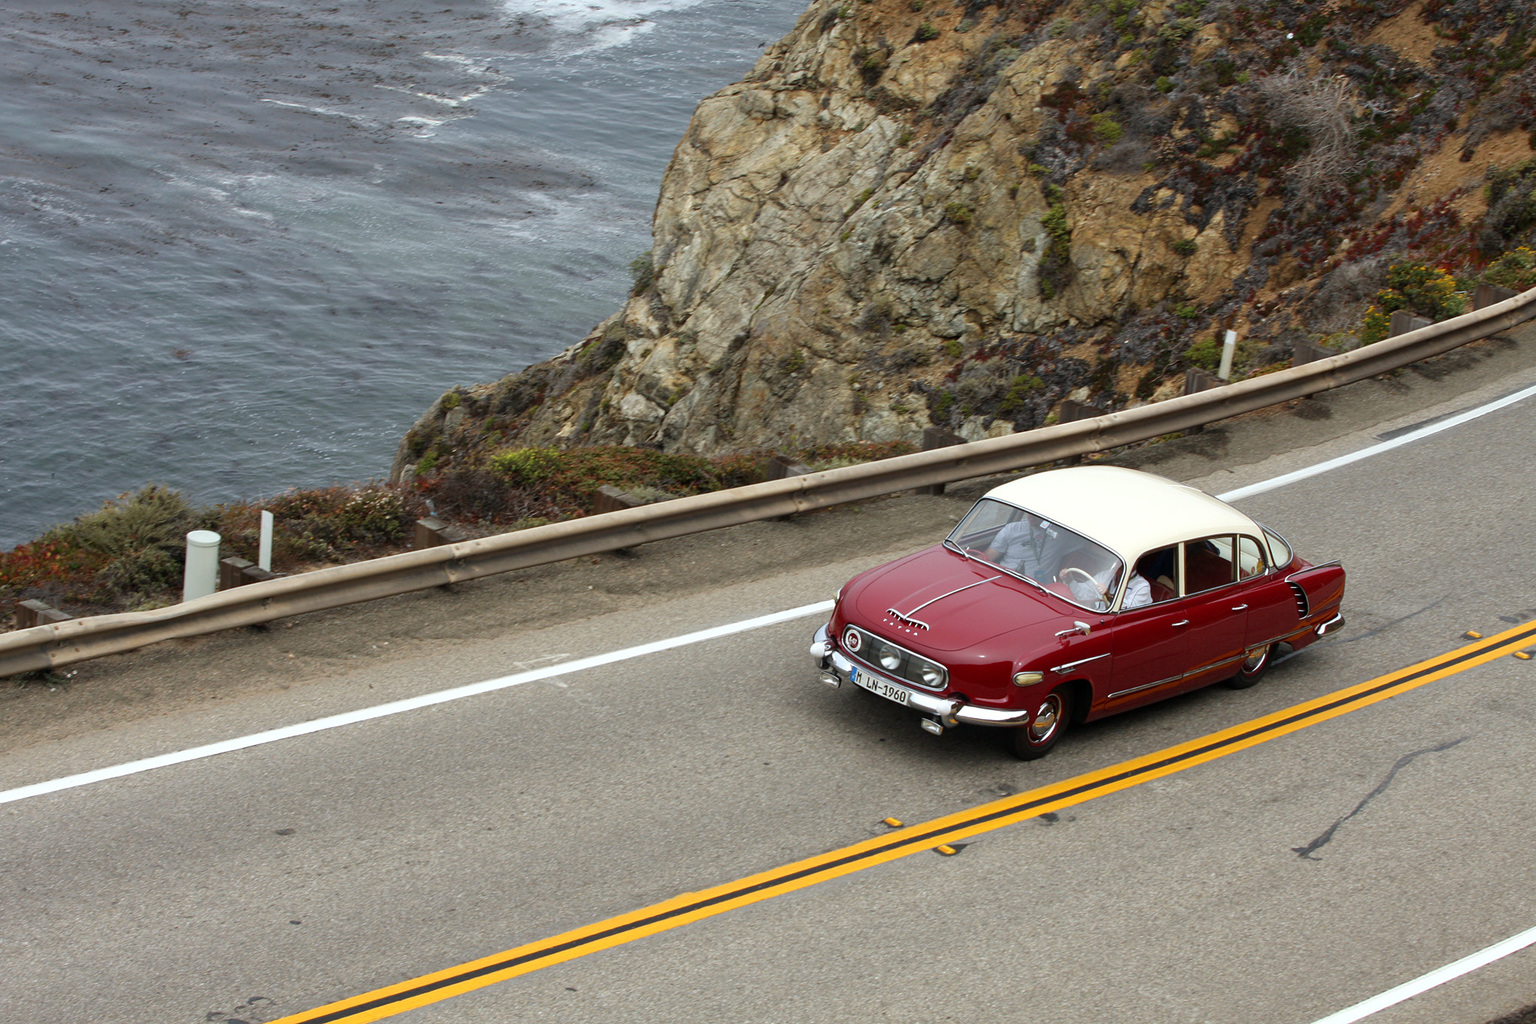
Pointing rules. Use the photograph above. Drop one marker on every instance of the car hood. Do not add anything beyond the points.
(962, 601)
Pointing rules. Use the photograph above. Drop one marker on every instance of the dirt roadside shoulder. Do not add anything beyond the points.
(290, 654)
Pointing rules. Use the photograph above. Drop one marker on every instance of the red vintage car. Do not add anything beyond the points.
(1074, 594)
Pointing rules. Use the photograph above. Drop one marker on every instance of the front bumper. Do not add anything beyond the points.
(836, 669)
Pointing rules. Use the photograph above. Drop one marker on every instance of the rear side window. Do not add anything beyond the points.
(1250, 558)
(1209, 563)
(1279, 550)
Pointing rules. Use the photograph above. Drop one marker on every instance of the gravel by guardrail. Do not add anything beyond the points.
(57, 644)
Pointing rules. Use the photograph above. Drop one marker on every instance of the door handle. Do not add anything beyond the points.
(1240, 607)
(1182, 622)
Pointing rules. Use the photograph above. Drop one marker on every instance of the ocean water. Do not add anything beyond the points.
(245, 243)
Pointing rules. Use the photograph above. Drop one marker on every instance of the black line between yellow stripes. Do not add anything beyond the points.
(690, 907)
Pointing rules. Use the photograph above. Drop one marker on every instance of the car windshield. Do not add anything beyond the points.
(1047, 553)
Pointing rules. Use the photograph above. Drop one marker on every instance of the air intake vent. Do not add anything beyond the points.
(1302, 606)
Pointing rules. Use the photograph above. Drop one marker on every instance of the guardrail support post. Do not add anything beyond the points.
(609, 498)
(1404, 321)
(1305, 352)
(1488, 294)
(1197, 380)
(36, 613)
(232, 572)
(1070, 411)
(201, 576)
(432, 532)
(933, 438)
(781, 466)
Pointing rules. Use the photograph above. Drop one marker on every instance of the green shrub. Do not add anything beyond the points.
(1106, 129)
(1205, 354)
(130, 524)
(1022, 387)
(957, 212)
(1511, 196)
(527, 466)
(643, 267)
(1421, 289)
(1186, 247)
(1515, 270)
(925, 32)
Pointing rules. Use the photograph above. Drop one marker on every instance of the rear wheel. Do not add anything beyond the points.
(1036, 738)
(1252, 669)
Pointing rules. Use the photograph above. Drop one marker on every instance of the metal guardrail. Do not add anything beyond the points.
(62, 643)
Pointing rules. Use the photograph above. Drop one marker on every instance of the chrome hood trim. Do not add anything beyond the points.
(907, 617)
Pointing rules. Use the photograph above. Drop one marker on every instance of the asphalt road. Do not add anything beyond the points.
(1278, 884)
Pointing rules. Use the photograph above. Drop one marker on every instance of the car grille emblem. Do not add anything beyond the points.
(906, 621)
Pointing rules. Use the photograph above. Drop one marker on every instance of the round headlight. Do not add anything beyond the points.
(890, 659)
(931, 675)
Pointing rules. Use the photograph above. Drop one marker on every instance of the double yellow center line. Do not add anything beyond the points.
(696, 906)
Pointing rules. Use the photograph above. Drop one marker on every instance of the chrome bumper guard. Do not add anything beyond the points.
(836, 670)
(1333, 625)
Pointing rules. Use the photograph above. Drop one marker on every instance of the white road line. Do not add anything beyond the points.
(409, 704)
(1376, 449)
(1407, 990)
(564, 668)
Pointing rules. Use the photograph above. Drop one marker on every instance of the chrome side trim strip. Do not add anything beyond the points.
(1144, 686)
(1201, 670)
(1069, 666)
(1314, 568)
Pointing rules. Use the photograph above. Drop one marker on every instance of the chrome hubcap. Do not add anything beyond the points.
(1255, 659)
(1045, 719)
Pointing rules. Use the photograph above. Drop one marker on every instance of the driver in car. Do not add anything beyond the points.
(1029, 546)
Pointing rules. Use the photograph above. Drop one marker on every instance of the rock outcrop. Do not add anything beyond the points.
(960, 213)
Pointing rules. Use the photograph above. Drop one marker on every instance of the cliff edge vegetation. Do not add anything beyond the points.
(958, 213)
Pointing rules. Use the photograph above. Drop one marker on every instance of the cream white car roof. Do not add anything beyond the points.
(1127, 511)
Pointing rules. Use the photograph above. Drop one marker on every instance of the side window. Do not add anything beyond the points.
(1209, 563)
(1279, 550)
(1160, 570)
(1250, 558)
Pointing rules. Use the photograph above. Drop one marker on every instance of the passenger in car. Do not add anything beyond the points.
(1160, 569)
(1138, 591)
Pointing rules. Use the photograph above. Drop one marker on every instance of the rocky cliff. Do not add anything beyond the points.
(962, 212)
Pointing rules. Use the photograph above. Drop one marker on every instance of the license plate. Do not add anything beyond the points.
(874, 684)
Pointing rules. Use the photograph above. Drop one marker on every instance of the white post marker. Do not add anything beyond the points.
(1227, 348)
(202, 573)
(264, 552)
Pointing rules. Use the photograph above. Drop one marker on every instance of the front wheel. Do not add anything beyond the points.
(1252, 669)
(1036, 738)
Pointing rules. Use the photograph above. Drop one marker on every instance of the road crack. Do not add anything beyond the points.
(1306, 852)
(1393, 622)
